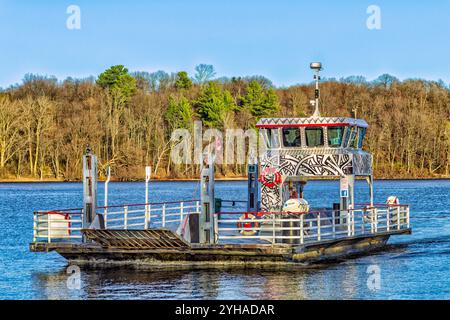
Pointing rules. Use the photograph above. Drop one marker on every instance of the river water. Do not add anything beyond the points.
(412, 266)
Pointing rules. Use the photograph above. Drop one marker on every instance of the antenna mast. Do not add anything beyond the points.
(317, 66)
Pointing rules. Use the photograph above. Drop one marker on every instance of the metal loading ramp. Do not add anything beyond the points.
(136, 239)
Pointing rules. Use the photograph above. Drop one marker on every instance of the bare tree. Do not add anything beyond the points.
(204, 73)
(10, 128)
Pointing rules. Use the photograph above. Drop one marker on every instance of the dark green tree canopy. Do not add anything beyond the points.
(213, 103)
(117, 80)
(183, 81)
(179, 113)
(260, 102)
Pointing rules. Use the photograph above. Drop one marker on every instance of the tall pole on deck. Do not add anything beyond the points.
(89, 187)
(108, 178)
(148, 172)
(253, 186)
(207, 219)
(317, 66)
(347, 194)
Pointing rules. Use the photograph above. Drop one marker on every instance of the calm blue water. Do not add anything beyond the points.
(412, 267)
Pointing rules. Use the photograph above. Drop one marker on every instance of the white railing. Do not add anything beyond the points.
(273, 227)
(150, 215)
(66, 224)
(301, 228)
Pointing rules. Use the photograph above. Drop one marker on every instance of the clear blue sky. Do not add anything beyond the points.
(276, 39)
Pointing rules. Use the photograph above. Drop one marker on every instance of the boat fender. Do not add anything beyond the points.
(247, 228)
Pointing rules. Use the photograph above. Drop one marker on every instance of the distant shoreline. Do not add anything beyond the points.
(26, 180)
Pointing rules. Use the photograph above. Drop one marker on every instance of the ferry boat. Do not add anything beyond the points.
(276, 225)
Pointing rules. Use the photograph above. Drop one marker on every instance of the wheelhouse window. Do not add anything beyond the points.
(362, 133)
(353, 141)
(292, 137)
(335, 135)
(271, 138)
(346, 137)
(314, 137)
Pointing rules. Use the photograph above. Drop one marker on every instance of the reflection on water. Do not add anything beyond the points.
(414, 267)
(336, 281)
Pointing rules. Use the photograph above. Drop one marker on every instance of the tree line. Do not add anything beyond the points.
(128, 117)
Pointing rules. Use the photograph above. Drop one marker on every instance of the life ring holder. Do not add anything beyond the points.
(392, 201)
(66, 217)
(247, 228)
(270, 182)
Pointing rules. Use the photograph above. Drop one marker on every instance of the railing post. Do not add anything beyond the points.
(388, 218)
(348, 223)
(301, 229)
(148, 172)
(363, 229)
(375, 210)
(333, 223)
(146, 217)
(181, 212)
(34, 226)
(105, 212)
(49, 238)
(149, 223)
(273, 229)
(125, 217)
(352, 216)
(398, 218)
(407, 217)
(164, 215)
(318, 226)
(353, 221)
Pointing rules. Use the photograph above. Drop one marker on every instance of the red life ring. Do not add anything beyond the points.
(270, 177)
(247, 228)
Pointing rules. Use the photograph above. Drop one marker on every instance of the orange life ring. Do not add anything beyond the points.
(247, 228)
(270, 177)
